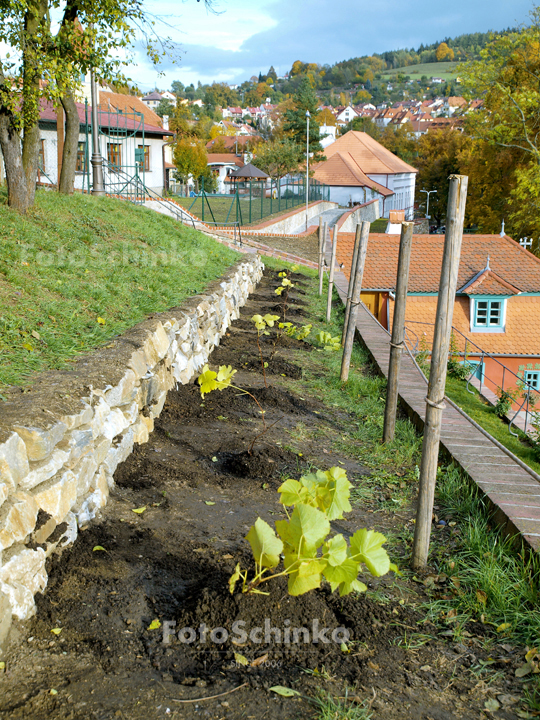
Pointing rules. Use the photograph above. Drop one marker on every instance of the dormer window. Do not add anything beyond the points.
(488, 314)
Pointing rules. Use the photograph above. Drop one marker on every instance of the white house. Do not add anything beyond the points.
(346, 115)
(132, 143)
(327, 134)
(359, 169)
(152, 100)
(223, 165)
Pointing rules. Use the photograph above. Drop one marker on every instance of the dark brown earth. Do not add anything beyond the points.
(202, 489)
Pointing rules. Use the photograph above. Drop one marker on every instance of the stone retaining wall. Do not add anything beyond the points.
(368, 212)
(62, 439)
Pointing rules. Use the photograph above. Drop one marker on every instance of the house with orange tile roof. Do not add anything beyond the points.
(222, 165)
(497, 304)
(358, 169)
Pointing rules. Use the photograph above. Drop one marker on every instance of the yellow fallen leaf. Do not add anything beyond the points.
(35, 334)
(504, 626)
(28, 347)
(531, 655)
(154, 625)
(52, 691)
(481, 597)
(139, 511)
(2, 666)
(101, 321)
(209, 502)
(56, 631)
(240, 659)
(98, 547)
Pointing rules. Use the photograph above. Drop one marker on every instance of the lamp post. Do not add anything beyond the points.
(428, 193)
(307, 167)
(97, 161)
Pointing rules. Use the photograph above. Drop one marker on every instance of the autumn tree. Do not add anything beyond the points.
(444, 53)
(326, 117)
(190, 159)
(507, 77)
(278, 158)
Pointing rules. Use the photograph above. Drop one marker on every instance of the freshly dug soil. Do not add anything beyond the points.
(136, 585)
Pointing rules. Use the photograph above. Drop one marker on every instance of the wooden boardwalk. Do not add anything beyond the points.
(513, 490)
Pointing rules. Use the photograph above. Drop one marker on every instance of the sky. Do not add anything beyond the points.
(248, 36)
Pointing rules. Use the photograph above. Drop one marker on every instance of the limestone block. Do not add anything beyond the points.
(138, 363)
(95, 501)
(17, 519)
(185, 375)
(69, 535)
(101, 448)
(142, 429)
(57, 495)
(79, 443)
(5, 490)
(5, 622)
(39, 442)
(123, 393)
(45, 526)
(157, 407)
(180, 363)
(156, 346)
(149, 389)
(101, 413)
(41, 471)
(13, 461)
(21, 577)
(164, 377)
(119, 452)
(82, 418)
(116, 422)
(84, 472)
(131, 413)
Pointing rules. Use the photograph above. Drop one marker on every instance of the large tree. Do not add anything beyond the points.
(278, 158)
(295, 124)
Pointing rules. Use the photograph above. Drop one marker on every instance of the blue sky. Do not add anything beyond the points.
(247, 36)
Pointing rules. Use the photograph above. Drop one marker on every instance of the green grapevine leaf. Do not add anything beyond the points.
(308, 527)
(366, 547)
(336, 551)
(346, 588)
(270, 319)
(259, 322)
(307, 576)
(264, 543)
(293, 493)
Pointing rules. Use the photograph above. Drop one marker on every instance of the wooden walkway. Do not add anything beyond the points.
(513, 491)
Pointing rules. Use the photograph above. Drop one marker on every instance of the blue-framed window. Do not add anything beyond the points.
(488, 314)
(532, 377)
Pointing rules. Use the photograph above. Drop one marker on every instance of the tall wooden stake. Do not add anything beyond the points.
(322, 255)
(331, 276)
(355, 299)
(398, 330)
(457, 197)
(351, 284)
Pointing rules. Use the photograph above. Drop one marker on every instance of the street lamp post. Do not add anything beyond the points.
(307, 167)
(428, 193)
(97, 161)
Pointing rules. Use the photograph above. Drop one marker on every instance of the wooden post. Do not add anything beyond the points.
(331, 276)
(457, 197)
(323, 256)
(321, 252)
(351, 284)
(398, 331)
(355, 299)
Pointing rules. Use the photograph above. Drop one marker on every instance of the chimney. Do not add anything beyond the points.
(165, 122)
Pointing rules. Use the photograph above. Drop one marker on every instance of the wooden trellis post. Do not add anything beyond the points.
(398, 331)
(355, 300)
(351, 284)
(457, 197)
(321, 252)
(331, 275)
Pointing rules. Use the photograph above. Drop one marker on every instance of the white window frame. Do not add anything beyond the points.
(474, 328)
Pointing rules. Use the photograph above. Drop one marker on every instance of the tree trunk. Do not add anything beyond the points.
(10, 142)
(30, 158)
(71, 143)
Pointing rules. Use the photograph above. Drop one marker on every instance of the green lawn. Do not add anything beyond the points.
(379, 226)
(224, 209)
(445, 70)
(76, 271)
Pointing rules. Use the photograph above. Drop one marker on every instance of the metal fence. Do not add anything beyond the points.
(520, 393)
(251, 201)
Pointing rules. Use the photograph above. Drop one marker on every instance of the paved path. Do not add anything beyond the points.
(332, 216)
(513, 491)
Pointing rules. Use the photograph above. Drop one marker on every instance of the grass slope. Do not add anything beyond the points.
(79, 270)
(445, 70)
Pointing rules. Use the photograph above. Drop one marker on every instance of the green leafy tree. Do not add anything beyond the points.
(295, 124)
(165, 107)
(278, 157)
(178, 88)
(190, 159)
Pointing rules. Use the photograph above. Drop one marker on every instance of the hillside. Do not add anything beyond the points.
(446, 70)
(76, 271)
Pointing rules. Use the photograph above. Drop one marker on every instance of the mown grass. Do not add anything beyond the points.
(218, 209)
(484, 414)
(76, 271)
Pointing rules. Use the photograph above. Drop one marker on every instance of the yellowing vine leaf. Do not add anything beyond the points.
(207, 380)
(284, 691)
(154, 625)
(266, 546)
(139, 511)
(366, 547)
(234, 578)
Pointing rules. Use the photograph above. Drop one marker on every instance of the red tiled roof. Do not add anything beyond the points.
(368, 154)
(225, 159)
(489, 283)
(508, 261)
(342, 170)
